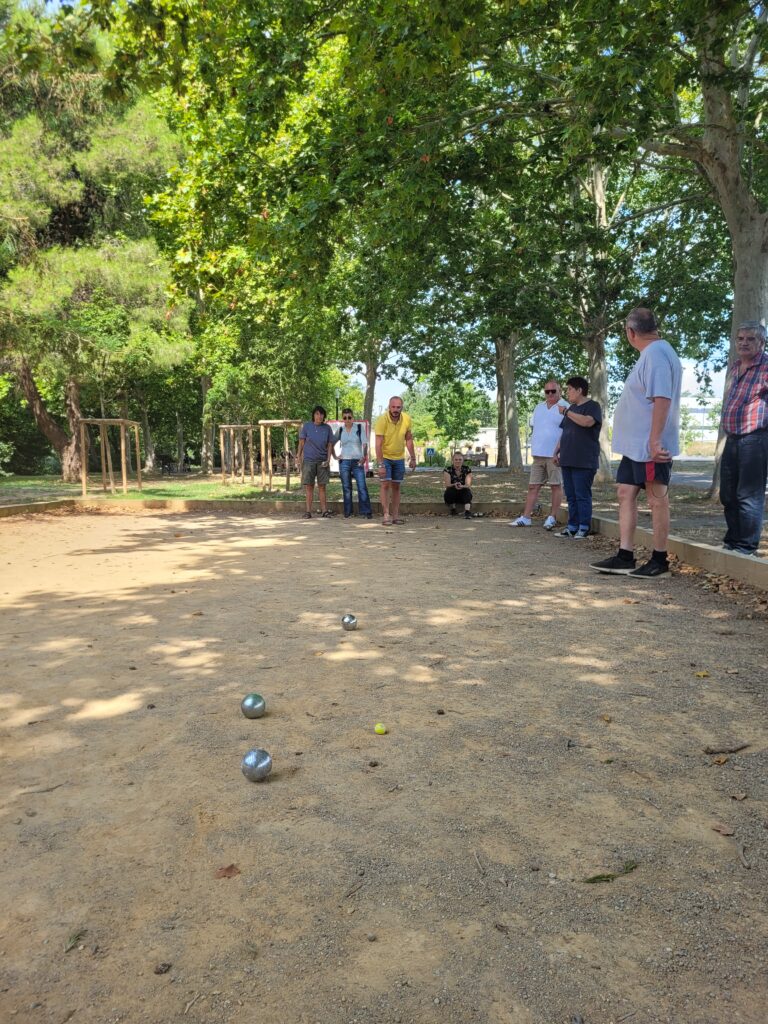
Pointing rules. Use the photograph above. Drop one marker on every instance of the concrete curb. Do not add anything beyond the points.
(702, 556)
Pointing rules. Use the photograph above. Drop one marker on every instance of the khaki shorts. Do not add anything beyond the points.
(315, 471)
(544, 471)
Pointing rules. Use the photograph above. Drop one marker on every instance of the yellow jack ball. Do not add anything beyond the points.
(380, 728)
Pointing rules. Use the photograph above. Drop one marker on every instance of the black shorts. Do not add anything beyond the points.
(638, 474)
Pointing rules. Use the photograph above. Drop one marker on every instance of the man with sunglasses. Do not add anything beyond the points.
(352, 440)
(546, 422)
(393, 436)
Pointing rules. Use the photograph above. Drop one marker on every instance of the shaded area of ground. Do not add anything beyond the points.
(436, 874)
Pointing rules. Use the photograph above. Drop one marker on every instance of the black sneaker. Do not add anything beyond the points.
(567, 532)
(467, 514)
(616, 565)
(454, 510)
(650, 570)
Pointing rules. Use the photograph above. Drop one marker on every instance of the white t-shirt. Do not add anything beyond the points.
(656, 374)
(351, 447)
(546, 429)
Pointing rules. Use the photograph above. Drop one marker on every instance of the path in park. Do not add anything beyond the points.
(546, 725)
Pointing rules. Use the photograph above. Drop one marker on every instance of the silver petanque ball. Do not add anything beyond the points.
(253, 706)
(257, 764)
(349, 621)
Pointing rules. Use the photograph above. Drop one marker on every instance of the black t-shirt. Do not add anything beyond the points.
(459, 477)
(580, 446)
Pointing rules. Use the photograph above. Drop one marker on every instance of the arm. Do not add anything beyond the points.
(300, 452)
(468, 481)
(380, 454)
(329, 449)
(446, 479)
(411, 449)
(578, 419)
(659, 416)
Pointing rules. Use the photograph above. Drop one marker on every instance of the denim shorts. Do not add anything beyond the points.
(395, 470)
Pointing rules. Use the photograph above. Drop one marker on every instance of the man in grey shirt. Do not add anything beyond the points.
(646, 432)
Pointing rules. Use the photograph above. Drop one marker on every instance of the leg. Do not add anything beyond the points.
(309, 492)
(557, 498)
(395, 499)
(466, 496)
(570, 494)
(583, 486)
(450, 498)
(729, 485)
(657, 495)
(385, 499)
(363, 501)
(323, 501)
(345, 472)
(753, 470)
(531, 499)
(627, 495)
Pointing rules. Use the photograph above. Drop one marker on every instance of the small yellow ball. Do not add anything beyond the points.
(380, 728)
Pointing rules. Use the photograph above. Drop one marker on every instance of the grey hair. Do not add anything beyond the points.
(753, 325)
(641, 320)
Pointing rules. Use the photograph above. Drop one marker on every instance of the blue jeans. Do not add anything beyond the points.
(347, 469)
(743, 472)
(578, 491)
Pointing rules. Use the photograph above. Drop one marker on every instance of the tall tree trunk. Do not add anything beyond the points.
(502, 444)
(128, 457)
(66, 446)
(371, 376)
(179, 445)
(149, 445)
(598, 387)
(506, 356)
(206, 449)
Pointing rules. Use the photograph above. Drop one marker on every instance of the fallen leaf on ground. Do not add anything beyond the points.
(720, 760)
(196, 613)
(724, 830)
(605, 718)
(732, 671)
(609, 876)
(74, 939)
(503, 928)
(702, 675)
(738, 796)
(630, 600)
(228, 872)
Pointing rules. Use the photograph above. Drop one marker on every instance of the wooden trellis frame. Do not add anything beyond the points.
(236, 430)
(106, 452)
(266, 449)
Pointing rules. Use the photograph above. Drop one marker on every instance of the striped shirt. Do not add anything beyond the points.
(746, 407)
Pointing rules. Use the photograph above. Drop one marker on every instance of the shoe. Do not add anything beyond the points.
(347, 517)
(369, 516)
(650, 570)
(520, 521)
(326, 515)
(307, 515)
(580, 534)
(567, 532)
(728, 547)
(615, 565)
(454, 510)
(550, 523)
(467, 514)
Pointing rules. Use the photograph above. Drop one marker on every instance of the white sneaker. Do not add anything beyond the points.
(521, 521)
(550, 523)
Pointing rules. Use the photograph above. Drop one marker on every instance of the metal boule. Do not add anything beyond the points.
(253, 706)
(257, 764)
(349, 621)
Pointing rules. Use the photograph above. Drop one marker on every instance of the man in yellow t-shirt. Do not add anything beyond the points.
(393, 436)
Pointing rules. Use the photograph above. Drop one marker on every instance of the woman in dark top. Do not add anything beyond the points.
(457, 480)
(578, 454)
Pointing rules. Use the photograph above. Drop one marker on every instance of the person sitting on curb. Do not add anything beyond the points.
(546, 420)
(457, 480)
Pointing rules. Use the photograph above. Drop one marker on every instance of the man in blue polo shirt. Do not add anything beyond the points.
(314, 457)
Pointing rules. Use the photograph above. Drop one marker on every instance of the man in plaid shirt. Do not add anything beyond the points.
(744, 467)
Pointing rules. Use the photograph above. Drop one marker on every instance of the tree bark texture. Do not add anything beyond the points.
(371, 376)
(506, 355)
(66, 446)
(598, 386)
(206, 448)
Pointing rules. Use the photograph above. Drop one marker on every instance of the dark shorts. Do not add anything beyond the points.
(638, 474)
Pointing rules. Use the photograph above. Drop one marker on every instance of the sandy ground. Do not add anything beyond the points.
(545, 725)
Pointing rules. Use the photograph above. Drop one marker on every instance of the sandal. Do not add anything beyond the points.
(399, 522)
(326, 514)
(307, 515)
(386, 522)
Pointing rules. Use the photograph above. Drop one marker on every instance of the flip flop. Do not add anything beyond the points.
(386, 522)
(399, 522)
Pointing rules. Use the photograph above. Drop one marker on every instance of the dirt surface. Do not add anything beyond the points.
(546, 725)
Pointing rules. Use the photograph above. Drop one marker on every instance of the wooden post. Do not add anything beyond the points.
(110, 468)
(269, 455)
(287, 449)
(250, 452)
(138, 454)
(223, 462)
(263, 453)
(103, 454)
(231, 435)
(84, 458)
(123, 467)
(241, 441)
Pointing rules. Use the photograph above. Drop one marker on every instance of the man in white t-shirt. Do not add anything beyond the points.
(646, 432)
(546, 422)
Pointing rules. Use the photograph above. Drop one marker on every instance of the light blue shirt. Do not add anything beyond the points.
(350, 445)
(656, 374)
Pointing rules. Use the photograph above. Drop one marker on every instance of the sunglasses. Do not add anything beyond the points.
(550, 391)
(347, 417)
